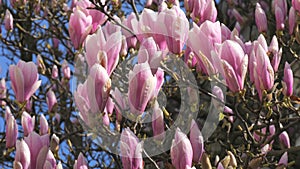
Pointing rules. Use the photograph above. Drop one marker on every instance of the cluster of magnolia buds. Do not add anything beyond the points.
(34, 150)
(280, 9)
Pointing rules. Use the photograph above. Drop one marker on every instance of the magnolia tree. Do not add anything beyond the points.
(150, 84)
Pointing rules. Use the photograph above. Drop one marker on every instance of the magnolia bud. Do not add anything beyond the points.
(8, 20)
(43, 125)
(54, 143)
(27, 123)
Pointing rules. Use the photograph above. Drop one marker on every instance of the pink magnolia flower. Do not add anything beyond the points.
(66, 70)
(82, 102)
(22, 157)
(51, 100)
(260, 67)
(109, 106)
(197, 142)
(2, 92)
(80, 163)
(149, 52)
(24, 79)
(43, 125)
(121, 103)
(288, 80)
(296, 5)
(232, 65)
(38, 146)
(275, 53)
(27, 123)
(211, 32)
(104, 47)
(91, 97)
(130, 39)
(282, 4)
(280, 18)
(50, 162)
(148, 26)
(8, 20)
(283, 159)
(202, 10)
(260, 19)
(279, 7)
(263, 72)
(181, 151)
(292, 20)
(54, 73)
(131, 150)
(284, 140)
(11, 129)
(98, 18)
(142, 85)
(98, 84)
(158, 125)
(80, 25)
(54, 143)
(175, 27)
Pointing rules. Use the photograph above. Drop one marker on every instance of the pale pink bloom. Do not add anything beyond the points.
(280, 18)
(148, 26)
(288, 80)
(261, 19)
(149, 52)
(131, 150)
(296, 5)
(22, 157)
(51, 100)
(27, 123)
(232, 65)
(211, 32)
(284, 159)
(43, 125)
(98, 18)
(285, 140)
(11, 129)
(2, 92)
(24, 79)
(181, 151)
(104, 47)
(202, 10)
(8, 20)
(197, 142)
(262, 70)
(38, 146)
(142, 85)
(66, 70)
(54, 73)
(91, 97)
(275, 52)
(130, 39)
(175, 27)
(292, 20)
(158, 125)
(50, 162)
(81, 162)
(80, 25)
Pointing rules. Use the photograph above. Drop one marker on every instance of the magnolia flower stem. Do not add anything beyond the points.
(153, 162)
(132, 3)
